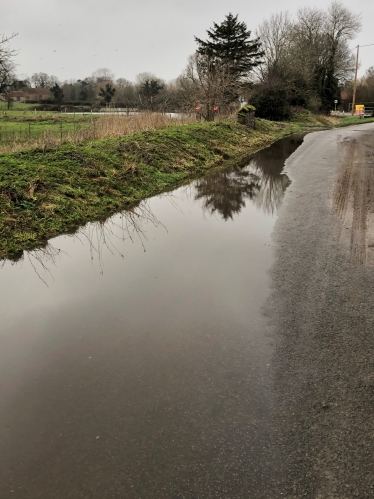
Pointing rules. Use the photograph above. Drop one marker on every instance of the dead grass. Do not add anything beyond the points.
(102, 127)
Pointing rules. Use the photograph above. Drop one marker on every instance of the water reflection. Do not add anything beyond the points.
(166, 357)
(225, 192)
(261, 181)
(97, 236)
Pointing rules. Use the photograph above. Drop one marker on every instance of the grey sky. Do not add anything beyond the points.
(73, 38)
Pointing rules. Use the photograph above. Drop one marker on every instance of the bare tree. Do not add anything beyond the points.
(40, 80)
(123, 83)
(208, 82)
(141, 78)
(365, 89)
(52, 81)
(103, 75)
(311, 54)
(7, 65)
(276, 40)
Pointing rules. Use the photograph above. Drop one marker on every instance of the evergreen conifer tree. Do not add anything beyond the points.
(107, 92)
(58, 93)
(230, 42)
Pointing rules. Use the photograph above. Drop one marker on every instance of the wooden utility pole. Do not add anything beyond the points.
(355, 83)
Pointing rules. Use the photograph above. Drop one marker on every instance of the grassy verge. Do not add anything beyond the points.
(310, 120)
(45, 192)
(353, 120)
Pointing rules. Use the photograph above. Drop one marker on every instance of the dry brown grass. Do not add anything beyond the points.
(328, 120)
(102, 127)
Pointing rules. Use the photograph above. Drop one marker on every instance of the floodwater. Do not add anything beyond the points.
(134, 358)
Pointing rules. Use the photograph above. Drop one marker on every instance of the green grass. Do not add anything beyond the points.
(47, 192)
(18, 125)
(310, 120)
(17, 106)
(353, 120)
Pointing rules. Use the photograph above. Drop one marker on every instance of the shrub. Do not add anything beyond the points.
(271, 103)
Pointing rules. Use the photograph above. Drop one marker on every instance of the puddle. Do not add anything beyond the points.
(146, 331)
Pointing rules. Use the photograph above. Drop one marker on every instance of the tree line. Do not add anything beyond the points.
(304, 62)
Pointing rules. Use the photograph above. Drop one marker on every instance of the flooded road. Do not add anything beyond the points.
(135, 357)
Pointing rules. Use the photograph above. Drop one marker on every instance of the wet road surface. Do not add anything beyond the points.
(321, 309)
(212, 343)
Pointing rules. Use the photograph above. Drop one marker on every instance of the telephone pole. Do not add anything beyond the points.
(355, 83)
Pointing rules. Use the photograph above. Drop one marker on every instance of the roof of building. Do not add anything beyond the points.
(37, 91)
(17, 93)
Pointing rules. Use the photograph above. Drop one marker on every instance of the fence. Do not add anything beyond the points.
(34, 131)
(30, 135)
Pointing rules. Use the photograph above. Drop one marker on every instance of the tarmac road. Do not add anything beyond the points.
(321, 312)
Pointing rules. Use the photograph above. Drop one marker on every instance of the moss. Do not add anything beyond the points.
(47, 192)
(243, 112)
(246, 109)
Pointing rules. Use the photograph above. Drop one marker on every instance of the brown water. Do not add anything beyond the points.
(147, 332)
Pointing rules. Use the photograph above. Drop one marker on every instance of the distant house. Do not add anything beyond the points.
(17, 95)
(29, 94)
(37, 93)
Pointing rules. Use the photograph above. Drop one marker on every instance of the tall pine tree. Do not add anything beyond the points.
(230, 42)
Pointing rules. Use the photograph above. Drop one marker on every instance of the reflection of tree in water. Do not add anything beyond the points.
(261, 181)
(225, 191)
(103, 235)
(100, 236)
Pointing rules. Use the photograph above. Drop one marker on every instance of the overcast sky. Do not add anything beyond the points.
(73, 38)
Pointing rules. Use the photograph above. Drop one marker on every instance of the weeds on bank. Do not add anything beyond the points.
(50, 190)
(353, 120)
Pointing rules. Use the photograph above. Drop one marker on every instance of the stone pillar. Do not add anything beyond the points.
(250, 120)
(246, 116)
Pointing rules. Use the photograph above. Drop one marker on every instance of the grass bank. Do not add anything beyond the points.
(309, 120)
(45, 192)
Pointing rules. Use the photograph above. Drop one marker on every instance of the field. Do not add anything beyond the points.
(27, 129)
(24, 126)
